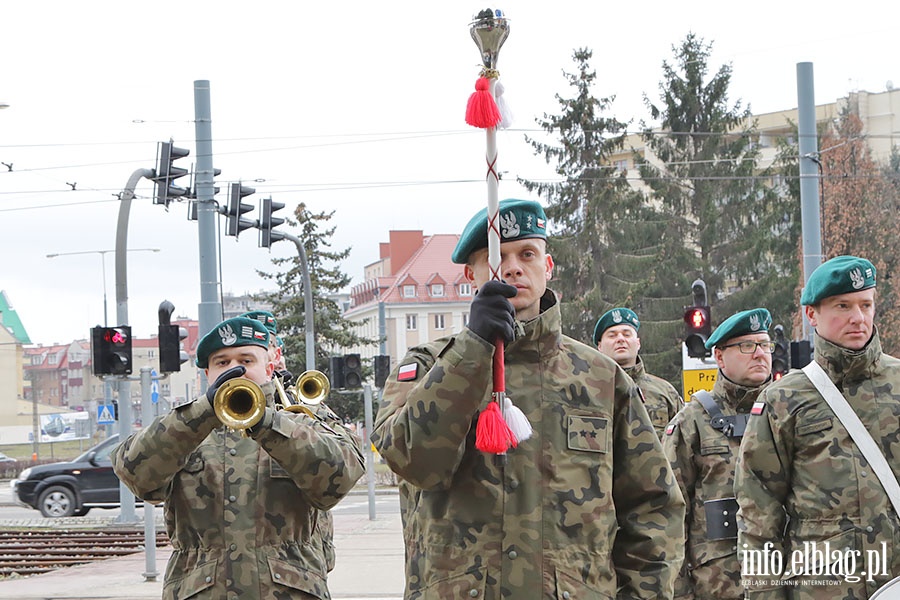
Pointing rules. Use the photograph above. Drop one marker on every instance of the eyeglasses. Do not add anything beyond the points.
(750, 347)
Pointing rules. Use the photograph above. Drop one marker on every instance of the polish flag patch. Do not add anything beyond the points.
(758, 408)
(408, 372)
(670, 429)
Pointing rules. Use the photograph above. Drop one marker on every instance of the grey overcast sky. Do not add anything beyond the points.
(356, 107)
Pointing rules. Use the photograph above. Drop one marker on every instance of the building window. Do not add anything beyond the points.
(36, 360)
(622, 165)
(438, 321)
(465, 319)
(465, 289)
(52, 359)
(437, 290)
(409, 291)
(411, 323)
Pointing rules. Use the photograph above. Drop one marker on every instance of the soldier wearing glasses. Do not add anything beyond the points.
(702, 443)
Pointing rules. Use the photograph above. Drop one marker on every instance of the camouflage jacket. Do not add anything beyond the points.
(802, 483)
(703, 460)
(241, 511)
(585, 508)
(661, 400)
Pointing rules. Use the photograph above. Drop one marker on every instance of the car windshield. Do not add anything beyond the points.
(102, 449)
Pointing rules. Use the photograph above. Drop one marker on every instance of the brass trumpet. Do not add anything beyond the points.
(239, 403)
(312, 387)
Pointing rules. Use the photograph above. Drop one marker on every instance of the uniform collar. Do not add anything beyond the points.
(637, 370)
(541, 333)
(736, 395)
(845, 365)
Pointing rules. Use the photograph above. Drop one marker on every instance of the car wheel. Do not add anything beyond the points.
(57, 501)
(81, 511)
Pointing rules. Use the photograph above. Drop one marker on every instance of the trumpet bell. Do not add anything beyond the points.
(313, 387)
(239, 403)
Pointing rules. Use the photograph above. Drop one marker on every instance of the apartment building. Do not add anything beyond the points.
(412, 294)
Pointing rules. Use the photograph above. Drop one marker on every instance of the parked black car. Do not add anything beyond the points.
(71, 488)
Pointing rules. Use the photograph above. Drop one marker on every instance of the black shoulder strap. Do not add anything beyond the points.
(732, 426)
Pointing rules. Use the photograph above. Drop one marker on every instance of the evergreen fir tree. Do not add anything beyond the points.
(332, 331)
(705, 174)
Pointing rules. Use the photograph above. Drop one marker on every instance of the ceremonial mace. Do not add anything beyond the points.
(502, 425)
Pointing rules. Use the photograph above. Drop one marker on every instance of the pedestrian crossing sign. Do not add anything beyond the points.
(105, 414)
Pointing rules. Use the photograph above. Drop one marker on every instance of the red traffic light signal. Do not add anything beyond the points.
(111, 350)
(697, 329)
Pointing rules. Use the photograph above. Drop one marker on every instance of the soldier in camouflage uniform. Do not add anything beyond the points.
(323, 535)
(802, 482)
(616, 335)
(703, 442)
(240, 511)
(587, 507)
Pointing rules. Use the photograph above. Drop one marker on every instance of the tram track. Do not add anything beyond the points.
(29, 551)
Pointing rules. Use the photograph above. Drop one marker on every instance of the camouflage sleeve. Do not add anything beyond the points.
(680, 444)
(676, 403)
(148, 460)
(761, 486)
(422, 424)
(649, 546)
(323, 459)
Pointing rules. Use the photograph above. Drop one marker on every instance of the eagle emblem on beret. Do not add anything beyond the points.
(856, 278)
(754, 322)
(227, 335)
(509, 226)
(617, 316)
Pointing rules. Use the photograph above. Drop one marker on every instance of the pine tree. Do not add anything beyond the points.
(706, 175)
(332, 331)
(606, 240)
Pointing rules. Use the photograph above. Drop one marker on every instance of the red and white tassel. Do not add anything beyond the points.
(492, 434)
(506, 116)
(482, 111)
(517, 421)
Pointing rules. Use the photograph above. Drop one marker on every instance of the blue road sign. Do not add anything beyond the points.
(106, 414)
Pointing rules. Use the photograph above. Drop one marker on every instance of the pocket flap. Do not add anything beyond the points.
(297, 578)
(589, 434)
(202, 577)
(815, 427)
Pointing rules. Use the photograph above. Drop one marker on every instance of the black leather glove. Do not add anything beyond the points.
(492, 315)
(229, 374)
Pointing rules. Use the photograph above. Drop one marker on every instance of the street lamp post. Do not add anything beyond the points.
(102, 254)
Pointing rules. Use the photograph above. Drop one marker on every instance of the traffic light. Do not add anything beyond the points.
(236, 208)
(801, 354)
(267, 222)
(352, 371)
(382, 369)
(781, 358)
(336, 366)
(166, 173)
(697, 329)
(111, 350)
(697, 322)
(192, 195)
(171, 348)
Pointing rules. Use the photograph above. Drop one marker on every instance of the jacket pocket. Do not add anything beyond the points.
(589, 434)
(295, 577)
(570, 587)
(470, 584)
(815, 427)
(202, 577)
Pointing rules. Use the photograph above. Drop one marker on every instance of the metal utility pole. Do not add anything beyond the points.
(809, 177)
(210, 308)
(126, 498)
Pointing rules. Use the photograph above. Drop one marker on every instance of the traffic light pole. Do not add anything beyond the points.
(126, 498)
(307, 300)
(809, 178)
(210, 308)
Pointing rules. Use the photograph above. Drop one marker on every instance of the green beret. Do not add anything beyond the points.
(615, 316)
(755, 320)
(238, 331)
(840, 275)
(279, 341)
(519, 219)
(264, 317)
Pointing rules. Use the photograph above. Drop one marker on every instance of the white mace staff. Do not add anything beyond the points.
(502, 425)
